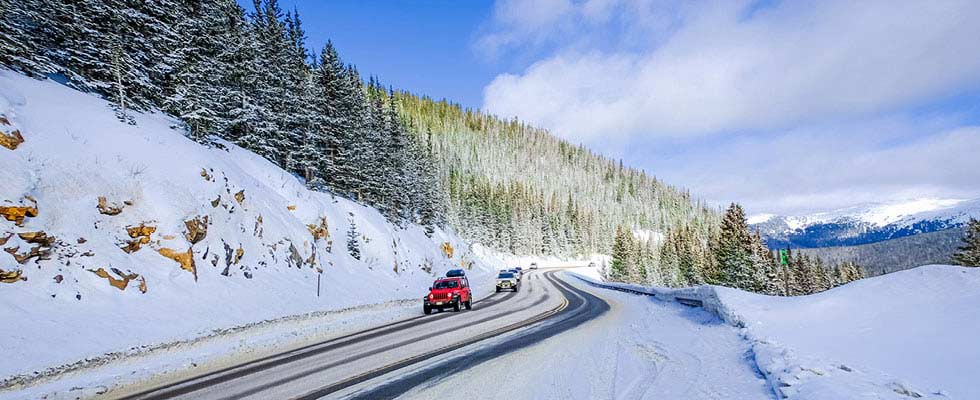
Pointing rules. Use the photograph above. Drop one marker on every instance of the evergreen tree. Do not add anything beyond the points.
(21, 39)
(268, 135)
(396, 162)
(353, 245)
(335, 137)
(193, 88)
(622, 254)
(670, 260)
(238, 109)
(734, 252)
(969, 254)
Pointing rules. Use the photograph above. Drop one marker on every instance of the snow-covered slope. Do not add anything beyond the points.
(866, 223)
(912, 330)
(187, 239)
(905, 335)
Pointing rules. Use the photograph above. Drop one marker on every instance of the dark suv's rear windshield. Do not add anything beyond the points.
(507, 275)
(445, 285)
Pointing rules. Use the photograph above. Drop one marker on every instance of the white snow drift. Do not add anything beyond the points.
(904, 335)
(910, 331)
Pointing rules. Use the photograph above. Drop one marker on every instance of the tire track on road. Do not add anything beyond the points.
(582, 307)
(191, 385)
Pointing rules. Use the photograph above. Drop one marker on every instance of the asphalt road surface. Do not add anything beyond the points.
(392, 359)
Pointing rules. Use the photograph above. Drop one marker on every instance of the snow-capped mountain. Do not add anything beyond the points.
(867, 223)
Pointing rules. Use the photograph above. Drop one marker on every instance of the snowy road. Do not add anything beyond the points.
(325, 368)
(557, 338)
(641, 349)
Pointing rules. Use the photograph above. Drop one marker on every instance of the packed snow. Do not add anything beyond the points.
(899, 336)
(271, 249)
(905, 332)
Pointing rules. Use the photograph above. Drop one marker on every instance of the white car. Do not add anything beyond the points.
(534, 266)
(507, 281)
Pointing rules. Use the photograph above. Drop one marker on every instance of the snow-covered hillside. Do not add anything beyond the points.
(127, 235)
(910, 331)
(867, 223)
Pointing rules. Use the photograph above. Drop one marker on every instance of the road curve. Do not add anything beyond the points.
(348, 366)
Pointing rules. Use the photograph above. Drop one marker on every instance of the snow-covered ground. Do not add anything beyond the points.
(903, 335)
(262, 249)
(643, 348)
(910, 331)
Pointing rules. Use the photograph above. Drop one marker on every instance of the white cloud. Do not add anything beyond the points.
(520, 21)
(723, 71)
(785, 106)
(832, 167)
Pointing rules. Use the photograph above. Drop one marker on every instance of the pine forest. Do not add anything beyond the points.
(246, 77)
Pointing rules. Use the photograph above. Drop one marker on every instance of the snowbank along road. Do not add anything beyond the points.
(391, 359)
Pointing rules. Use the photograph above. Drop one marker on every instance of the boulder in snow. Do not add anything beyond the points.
(197, 229)
(119, 283)
(140, 235)
(12, 276)
(185, 259)
(108, 209)
(17, 213)
(9, 138)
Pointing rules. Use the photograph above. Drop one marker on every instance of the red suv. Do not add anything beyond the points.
(448, 292)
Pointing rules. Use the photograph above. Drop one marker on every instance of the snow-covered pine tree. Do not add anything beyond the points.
(298, 112)
(396, 161)
(796, 271)
(193, 89)
(805, 275)
(622, 254)
(353, 243)
(642, 258)
(238, 109)
(429, 193)
(773, 284)
(836, 276)
(267, 135)
(670, 259)
(968, 254)
(821, 278)
(734, 252)
(653, 269)
(152, 39)
(335, 138)
(687, 258)
(372, 162)
(364, 148)
(21, 39)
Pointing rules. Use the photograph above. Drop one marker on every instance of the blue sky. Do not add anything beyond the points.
(784, 106)
(422, 46)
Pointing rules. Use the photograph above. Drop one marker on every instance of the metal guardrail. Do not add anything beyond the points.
(687, 301)
(690, 302)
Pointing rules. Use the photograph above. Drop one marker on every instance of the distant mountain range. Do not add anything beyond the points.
(888, 256)
(864, 224)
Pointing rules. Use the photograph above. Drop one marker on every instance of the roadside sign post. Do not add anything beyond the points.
(784, 261)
